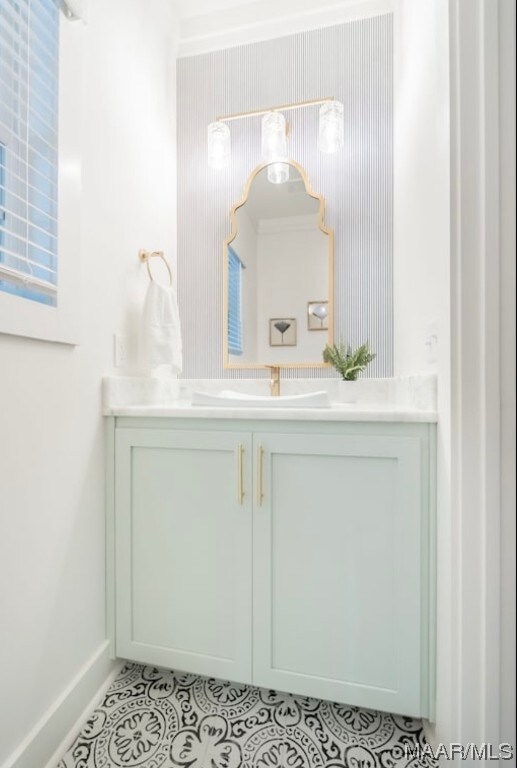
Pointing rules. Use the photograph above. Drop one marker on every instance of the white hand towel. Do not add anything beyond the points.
(161, 329)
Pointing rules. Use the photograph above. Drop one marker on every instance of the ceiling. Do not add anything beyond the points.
(210, 25)
(188, 8)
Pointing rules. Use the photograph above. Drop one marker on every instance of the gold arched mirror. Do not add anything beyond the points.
(278, 267)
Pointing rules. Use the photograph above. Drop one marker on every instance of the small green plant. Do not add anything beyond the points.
(349, 363)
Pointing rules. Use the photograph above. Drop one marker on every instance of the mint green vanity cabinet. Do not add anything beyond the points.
(183, 550)
(338, 582)
(290, 555)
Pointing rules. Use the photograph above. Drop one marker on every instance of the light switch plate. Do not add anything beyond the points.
(431, 342)
(120, 350)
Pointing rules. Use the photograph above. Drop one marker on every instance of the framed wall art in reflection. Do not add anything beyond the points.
(282, 332)
(317, 315)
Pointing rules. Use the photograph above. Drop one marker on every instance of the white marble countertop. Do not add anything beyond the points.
(337, 412)
(398, 399)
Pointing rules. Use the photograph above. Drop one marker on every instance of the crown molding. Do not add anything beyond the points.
(260, 20)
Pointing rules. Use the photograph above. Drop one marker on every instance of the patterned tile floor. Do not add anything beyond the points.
(152, 718)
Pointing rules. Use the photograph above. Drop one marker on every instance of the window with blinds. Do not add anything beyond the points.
(234, 303)
(29, 79)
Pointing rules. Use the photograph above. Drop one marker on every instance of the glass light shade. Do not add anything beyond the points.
(218, 146)
(332, 127)
(278, 173)
(274, 139)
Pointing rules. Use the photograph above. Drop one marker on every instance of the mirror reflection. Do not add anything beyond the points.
(278, 273)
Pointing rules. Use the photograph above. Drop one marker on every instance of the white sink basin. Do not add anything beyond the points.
(229, 399)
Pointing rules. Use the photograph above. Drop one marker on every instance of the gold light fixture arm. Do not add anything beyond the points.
(279, 108)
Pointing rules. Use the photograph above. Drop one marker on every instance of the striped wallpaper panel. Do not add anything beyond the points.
(353, 63)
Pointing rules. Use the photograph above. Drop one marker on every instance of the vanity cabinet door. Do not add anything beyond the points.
(339, 600)
(183, 544)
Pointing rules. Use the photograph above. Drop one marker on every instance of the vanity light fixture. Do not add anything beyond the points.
(219, 146)
(274, 135)
(331, 136)
(274, 147)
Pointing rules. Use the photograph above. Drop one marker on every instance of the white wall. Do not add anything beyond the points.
(422, 267)
(51, 430)
(421, 182)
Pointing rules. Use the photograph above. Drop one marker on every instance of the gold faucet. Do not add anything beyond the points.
(274, 381)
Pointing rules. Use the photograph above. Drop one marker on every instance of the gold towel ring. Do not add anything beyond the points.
(146, 256)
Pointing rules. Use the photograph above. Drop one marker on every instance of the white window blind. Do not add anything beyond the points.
(29, 89)
(235, 267)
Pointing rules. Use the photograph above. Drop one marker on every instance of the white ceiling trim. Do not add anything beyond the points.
(257, 20)
(187, 8)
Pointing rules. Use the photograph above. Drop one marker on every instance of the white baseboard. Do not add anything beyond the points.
(48, 740)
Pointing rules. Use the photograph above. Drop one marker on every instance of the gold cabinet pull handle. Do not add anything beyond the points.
(260, 475)
(240, 474)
